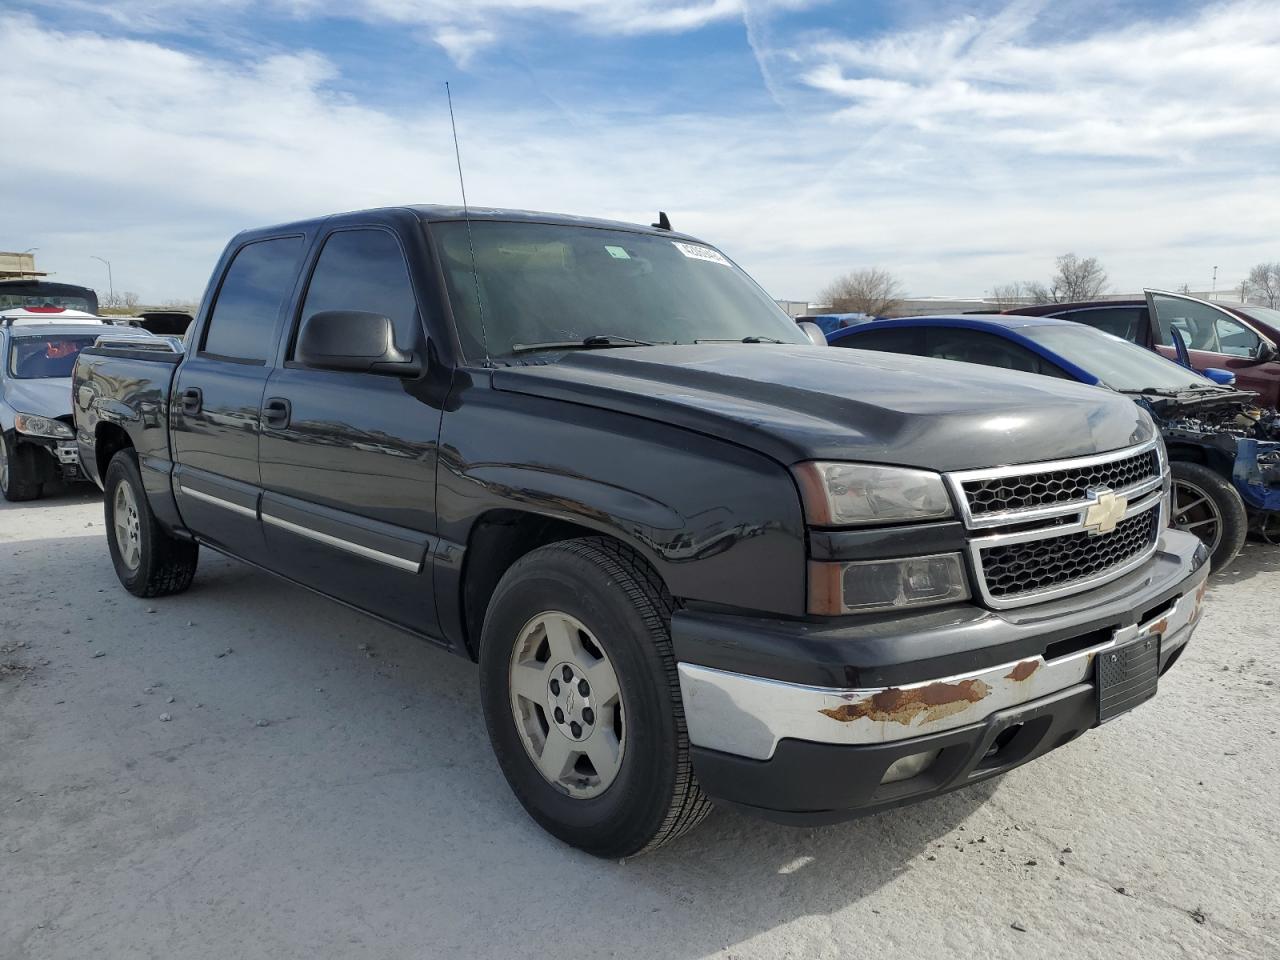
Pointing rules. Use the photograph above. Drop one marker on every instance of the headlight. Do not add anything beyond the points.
(42, 427)
(844, 494)
(863, 586)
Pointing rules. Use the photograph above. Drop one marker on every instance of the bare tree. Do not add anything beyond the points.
(1075, 279)
(1183, 287)
(123, 302)
(870, 290)
(1006, 296)
(1264, 284)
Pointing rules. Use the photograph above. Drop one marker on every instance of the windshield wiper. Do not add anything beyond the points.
(744, 340)
(586, 343)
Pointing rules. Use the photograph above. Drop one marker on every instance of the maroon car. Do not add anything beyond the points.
(1240, 337)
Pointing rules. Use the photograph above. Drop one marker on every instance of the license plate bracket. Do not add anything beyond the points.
(1127, 675)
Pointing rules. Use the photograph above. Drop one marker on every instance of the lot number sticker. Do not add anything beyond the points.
(695, 252)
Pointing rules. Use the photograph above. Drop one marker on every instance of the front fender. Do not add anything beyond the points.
(721, 524)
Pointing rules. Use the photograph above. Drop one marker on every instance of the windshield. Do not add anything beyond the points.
(546, 283)
(1118, 363)
(46, 357)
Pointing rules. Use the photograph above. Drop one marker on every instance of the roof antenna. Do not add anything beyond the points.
(466, 215)
(663, 223)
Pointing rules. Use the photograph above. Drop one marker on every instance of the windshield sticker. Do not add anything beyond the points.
(617, 253)
(696, 252)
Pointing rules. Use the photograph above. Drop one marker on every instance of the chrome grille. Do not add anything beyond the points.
(1036, 530)
(1024, 491)
(1031, 567)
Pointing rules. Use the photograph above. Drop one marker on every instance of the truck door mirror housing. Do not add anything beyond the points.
(814, 333)
(354, 341)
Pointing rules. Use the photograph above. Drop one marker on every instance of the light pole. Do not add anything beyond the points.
(1214, 289)
(111, 284)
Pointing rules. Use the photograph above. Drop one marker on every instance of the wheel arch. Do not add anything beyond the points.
(498, 539)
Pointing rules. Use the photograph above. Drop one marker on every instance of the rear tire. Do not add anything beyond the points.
(148, 561)
(1206, 504)
(19, 475)
(621, 781)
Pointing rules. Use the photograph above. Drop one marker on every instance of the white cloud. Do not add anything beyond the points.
(955, 175)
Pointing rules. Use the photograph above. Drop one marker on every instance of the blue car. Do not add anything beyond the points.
(1224, 450)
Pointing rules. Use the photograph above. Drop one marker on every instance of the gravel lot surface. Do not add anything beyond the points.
(248, 771)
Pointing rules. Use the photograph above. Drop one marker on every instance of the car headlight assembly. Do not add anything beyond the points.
(34, 426)
(871, 585)
(855, 494)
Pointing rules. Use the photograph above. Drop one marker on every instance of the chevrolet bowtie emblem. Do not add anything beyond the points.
(1106, 509)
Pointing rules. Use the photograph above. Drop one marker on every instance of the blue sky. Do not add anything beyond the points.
(958, 145)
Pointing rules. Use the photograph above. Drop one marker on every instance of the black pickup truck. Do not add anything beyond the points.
(696, 556)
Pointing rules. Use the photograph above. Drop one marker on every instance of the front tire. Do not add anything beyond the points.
(1206, 504)
(149, 562)
(19, 476)
(582, 701)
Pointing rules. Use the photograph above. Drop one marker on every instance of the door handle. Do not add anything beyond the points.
(192, 400)
(276, 412)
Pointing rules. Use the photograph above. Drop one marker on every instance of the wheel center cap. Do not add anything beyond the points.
(569, 709)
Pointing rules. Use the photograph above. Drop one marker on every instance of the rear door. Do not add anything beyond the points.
(1214, 338)
(349, 459)
(214, 410)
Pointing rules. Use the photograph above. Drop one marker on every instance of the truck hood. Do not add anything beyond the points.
(42, 398)
(800, 402)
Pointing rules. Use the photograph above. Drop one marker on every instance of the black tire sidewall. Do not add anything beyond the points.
(23, 484)
(124, 469)
(632, 809)
(1226, 499)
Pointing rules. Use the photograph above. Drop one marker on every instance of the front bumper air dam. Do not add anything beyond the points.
(812, 754)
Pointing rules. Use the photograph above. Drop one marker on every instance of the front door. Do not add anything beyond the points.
(349, 459)
(1214, 338)
(213, 413)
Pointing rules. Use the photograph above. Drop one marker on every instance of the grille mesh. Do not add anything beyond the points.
(1019, 568)
(1031, 490)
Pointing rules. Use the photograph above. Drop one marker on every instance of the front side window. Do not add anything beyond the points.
(46, 357)
(538, 283)
(364, 270)
(1204, 327)
(1123, 322)
(972, 346)
(256, 286)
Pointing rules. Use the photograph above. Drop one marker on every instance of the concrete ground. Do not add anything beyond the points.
(248, 771)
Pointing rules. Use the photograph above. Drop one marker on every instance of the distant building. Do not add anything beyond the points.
(17, 266)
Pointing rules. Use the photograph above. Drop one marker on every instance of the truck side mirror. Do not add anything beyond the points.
(355, 341)
(814, 333)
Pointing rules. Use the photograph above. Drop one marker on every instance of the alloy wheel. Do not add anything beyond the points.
(128, 526)
(567, 704)
(1196, 512)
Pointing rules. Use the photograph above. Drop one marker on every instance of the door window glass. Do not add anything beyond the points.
(895, 340)
(257, 283)
(364, 270)
(972, 346)
(1123, 322)
(1204, 327)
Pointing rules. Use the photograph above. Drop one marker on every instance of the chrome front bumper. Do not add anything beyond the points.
(747, 715)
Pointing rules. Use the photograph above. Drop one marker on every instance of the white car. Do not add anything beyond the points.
(38, 348)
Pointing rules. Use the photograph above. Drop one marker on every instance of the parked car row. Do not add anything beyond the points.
(698, 555)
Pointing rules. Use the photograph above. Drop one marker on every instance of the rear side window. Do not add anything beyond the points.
(365, 270)
(257, 284)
